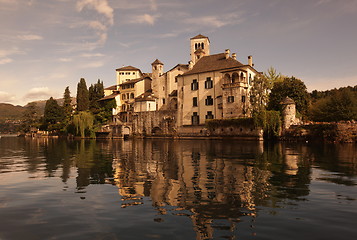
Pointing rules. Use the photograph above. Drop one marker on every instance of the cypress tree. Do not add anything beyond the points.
(96, 92)
(82, 96)
(67, 107)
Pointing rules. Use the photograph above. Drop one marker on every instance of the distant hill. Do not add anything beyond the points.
(10, 112)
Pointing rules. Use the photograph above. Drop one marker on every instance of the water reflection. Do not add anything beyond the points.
(216, 184)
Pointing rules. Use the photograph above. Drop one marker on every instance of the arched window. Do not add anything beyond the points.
(227, 78)
(195, 46)
(235, 77)
(203, 46)
(242, 77)
(131, 95)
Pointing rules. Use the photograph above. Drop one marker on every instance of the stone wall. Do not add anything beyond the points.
(155, 123)
(344, 132)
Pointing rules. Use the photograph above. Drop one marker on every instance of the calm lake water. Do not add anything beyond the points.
(166, 189)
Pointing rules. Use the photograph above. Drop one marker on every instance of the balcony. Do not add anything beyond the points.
(234, 85)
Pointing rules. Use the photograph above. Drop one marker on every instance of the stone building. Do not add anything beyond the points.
(289, 113)
(209, 87)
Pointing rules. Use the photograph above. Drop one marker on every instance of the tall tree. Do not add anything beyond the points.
(82, 96)
(53, 115)
(272, 76)
(289, 87)
(67, 106)
(96, 92)
(259, 93)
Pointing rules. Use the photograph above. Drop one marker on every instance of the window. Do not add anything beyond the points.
(250, 78)
(163, 101)
(133, 73)
(194, 102)
(203, 46)
(131, 95)
(123, 97)
(195, 118)
(194, 85)
(209, 101)
(208, 83)
(230, 99)
(235, 77)
(243, 99)
(209, 115)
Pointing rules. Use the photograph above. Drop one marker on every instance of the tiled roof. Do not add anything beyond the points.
(199, 36)
(179, 65)
(146, 96)
(157, 61)
(214, 62)
(287, 100)
(114, 87)
(111, 96)
(128, 68)
(135, 80)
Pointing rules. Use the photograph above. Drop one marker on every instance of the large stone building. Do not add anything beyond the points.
(209, 87)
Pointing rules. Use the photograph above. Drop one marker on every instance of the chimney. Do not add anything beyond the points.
(234, 56)
(190, 65)
(250, 61)
(227, 53)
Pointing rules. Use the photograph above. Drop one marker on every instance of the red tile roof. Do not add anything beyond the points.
(214, 62)
(199, 36)
(128, 68)
(157, 61)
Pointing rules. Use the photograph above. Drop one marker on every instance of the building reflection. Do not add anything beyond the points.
(206, 181)
(217, 184)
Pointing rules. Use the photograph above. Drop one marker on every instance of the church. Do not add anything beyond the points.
(213, 86)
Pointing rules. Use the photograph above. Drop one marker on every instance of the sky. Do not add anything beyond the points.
(47, 45)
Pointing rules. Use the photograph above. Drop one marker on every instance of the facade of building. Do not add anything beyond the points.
(209, 87)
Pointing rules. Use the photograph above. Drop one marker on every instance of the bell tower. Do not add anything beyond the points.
(199, 47)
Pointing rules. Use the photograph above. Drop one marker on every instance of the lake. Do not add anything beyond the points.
(176, 189)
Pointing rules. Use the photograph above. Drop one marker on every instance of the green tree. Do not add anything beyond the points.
(340, 105)
(31, 117)
(67, 106)
(259, 94)
(53, 115)
(82, 96)
(272, 76)
(96, 92)
(105, 113)
(293, 88)
(83, 123)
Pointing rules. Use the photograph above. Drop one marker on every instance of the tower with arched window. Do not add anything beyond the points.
(199, 47)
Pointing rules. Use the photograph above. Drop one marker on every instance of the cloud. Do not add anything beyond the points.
(100, 27)
(215, 21)
(92, 65)
(89, 55)
(5, 55)
(38, 93)
(65, 60)
(7, 97)
(100, 6)
(5, 60)
(144, 19)
(29, 37)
